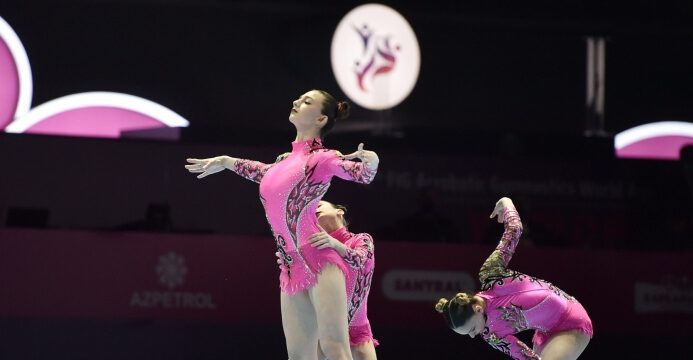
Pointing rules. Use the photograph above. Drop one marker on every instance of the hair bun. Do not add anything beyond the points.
(440, 306)
(343, 109)
(462, 299)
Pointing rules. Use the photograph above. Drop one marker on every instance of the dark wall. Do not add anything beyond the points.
(570, 192)
(231, 65)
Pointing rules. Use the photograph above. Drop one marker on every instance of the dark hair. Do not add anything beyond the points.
(340, 207)
(457, 310)
(335, 110)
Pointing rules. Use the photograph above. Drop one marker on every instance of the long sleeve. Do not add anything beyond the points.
(513, 347)
(251, 170)
(495, 266)
(349, 170)
(359, 250)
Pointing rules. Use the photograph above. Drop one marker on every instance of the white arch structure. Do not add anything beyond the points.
(26, 88)
(658, 140)
(97, 99)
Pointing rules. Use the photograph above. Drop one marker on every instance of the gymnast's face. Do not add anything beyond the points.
(475, 324)
(306, 111)
(329, 217)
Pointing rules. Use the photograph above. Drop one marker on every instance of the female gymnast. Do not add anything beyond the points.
(312, 283)
(358, 252)
(510, 302)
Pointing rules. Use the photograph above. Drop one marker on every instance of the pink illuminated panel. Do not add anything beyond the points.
(96, 114)
(663, 148)
(15, 76)
(94, 122)
(660, 140)
(9, 86)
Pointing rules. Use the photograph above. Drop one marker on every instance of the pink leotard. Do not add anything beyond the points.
(360, 259)
(290, 190)
(516, 302)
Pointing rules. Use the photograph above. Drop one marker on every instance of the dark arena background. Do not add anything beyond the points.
(580, 111)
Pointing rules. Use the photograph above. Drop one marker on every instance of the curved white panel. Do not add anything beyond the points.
(23, 68)
(652, 130)
(97, 99)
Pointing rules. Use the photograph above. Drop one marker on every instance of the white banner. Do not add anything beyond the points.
(418, 285)
(663, 298)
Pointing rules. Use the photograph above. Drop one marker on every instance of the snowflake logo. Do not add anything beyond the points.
(171, 269)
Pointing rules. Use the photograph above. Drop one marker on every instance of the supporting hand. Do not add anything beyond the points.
(323, 240)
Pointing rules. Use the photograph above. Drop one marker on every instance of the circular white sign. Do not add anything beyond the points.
(375, 56)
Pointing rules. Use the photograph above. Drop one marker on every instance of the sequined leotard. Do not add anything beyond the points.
(290, 190)
(516, 302)
(361, 263)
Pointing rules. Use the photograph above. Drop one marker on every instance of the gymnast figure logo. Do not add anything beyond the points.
(375, 56)
(378, 57)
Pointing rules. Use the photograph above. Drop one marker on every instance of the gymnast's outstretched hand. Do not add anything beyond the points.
(499, 210)
(369, 158)
(209, 166)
